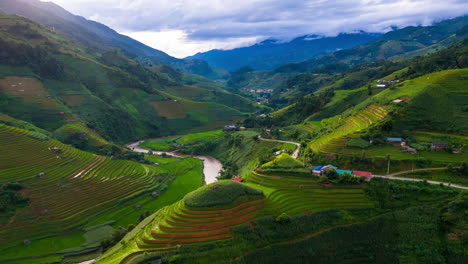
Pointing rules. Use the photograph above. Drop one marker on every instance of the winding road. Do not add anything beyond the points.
(392, 177)
(294, 154)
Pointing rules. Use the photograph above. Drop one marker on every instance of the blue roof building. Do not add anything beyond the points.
(394, 139)
(344, 171)
(318, 167)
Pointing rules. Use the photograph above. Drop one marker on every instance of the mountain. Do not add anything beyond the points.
(52, 81)
(402, 43)
(99, 37)
(291, 81)
(270, 54)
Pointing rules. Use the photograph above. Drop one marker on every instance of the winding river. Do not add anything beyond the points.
(211, 166)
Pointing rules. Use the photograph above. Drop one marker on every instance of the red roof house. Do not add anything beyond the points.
(237, 179)
(362, 173)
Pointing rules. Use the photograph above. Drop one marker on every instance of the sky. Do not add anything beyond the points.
(184, 27)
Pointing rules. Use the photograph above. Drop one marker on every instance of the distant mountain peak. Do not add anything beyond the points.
(271, 53)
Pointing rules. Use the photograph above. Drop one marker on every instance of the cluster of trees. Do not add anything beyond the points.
(10, 198)
(120, 232)
(346, 178)
(39, 58)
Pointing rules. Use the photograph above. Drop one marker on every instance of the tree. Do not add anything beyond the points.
(331, 174)
(283, 218)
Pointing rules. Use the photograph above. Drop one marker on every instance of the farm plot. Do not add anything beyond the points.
(179, 224)
(328, 143)
(67, 186)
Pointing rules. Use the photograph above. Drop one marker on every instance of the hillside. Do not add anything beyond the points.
(99, 37)
(270, 54)
(55, 82)
(397, 44)
(365, 61)
(298, 213)
(76, 198)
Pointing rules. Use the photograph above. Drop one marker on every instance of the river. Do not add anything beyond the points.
(211, 166)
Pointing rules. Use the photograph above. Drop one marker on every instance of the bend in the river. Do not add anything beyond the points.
(211, 166)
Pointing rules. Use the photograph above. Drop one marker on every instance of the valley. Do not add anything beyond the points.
(346, 146)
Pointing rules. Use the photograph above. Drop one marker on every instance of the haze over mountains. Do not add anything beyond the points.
(270, 54)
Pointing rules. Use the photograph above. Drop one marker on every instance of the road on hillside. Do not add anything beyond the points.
(392, 177)
(294, 154)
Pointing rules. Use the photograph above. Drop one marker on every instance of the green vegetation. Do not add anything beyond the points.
(301, 212)
(159, 144)
(220, 193)
(69, 190)
(283, 161)
(455, 176)
(56, 83)
(11, 199)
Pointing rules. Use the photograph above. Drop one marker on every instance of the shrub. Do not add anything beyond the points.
(283, 218)
(323, 179)
(331, 174)
(358, 143)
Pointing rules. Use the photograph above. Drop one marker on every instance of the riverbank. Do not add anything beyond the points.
(211, 166)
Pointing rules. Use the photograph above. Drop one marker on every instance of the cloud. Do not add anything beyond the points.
(215, 22)
(177, 44)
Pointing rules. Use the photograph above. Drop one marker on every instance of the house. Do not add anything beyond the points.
(324, 168)
(230, 128)
(381, 85)
(412, 150)
(362, 173)
(237, 179)
(317, 170)
(396, 141)
(397, 101)
(438, 145)
(343, 171)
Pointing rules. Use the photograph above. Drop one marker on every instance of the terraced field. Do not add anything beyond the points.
(79, 128)
(66, 186)
(329, 143)
(299, 195)
(178, 224)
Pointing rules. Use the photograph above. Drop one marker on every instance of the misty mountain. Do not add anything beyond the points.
(270, 54)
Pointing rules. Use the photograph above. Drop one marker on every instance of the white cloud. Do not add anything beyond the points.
(226, 23)
(176, 43)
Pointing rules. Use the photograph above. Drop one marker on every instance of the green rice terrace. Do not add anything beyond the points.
(228, 221)
(71, 191)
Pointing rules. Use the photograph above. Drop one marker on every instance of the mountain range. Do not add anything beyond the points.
(99, 37)
(270, 54)
(74, 93)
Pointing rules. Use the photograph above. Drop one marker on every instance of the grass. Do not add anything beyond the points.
(220, 193)
(398, 154)
(159, 144)
(196, 137)
(44, 246)
(439, 175)
(283, 161)
(339, 127)
(80, 189)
